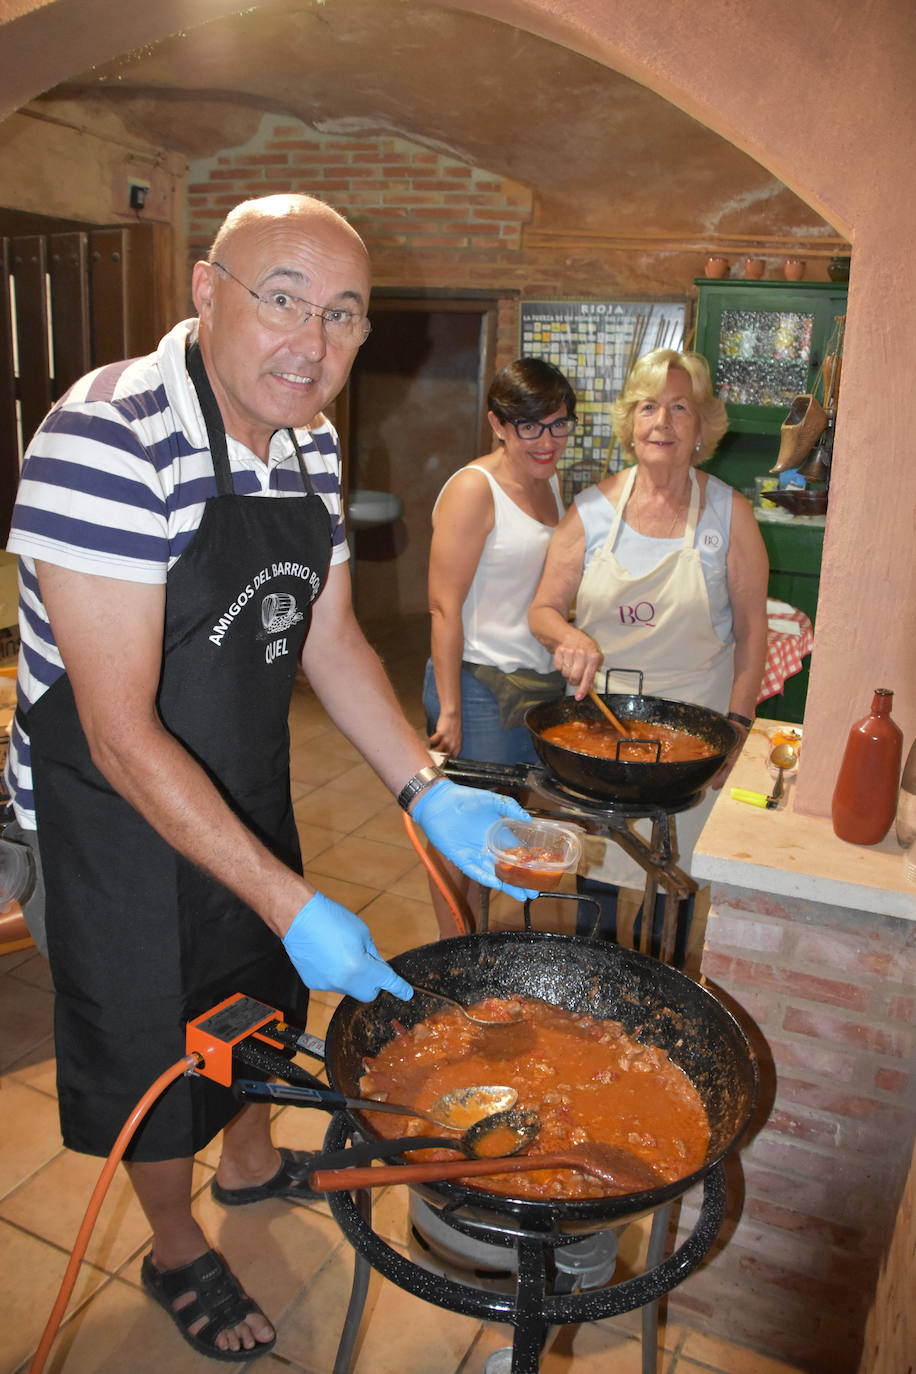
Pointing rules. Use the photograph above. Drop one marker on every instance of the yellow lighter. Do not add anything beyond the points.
(753, 798)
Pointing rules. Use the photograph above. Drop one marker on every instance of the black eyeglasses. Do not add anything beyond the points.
(561, 428)
(285, 312)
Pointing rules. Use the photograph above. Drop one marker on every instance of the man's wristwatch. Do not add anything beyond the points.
(739, 719)
(417, 784)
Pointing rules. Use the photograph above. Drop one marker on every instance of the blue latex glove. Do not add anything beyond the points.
(456, 820)
(332, 949)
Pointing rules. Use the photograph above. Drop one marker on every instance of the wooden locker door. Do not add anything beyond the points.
(149, 291)
(29, 271)
(68, 266)
(9, 428)
(108, 292)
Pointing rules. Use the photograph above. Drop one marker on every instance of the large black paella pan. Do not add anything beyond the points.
(656, 1003)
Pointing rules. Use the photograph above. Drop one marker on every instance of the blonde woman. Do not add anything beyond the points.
(667, 570)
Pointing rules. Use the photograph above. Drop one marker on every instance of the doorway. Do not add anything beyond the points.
(415, 413)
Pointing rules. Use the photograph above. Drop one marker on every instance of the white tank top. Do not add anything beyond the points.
(495, 611)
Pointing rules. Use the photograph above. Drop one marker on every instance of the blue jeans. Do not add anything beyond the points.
(482, 737)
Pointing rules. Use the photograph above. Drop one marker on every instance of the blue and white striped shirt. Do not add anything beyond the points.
(114, 484)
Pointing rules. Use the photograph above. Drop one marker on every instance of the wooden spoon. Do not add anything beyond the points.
(620, 1169)
(607, 712)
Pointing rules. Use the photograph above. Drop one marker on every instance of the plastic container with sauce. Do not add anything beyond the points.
(533, 854)
(785, 734)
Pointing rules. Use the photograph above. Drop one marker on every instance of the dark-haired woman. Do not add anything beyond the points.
(492, 524)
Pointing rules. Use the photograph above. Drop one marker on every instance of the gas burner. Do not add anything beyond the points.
(541, 783)
(543, 794)
(523, 780)
(546, 1279)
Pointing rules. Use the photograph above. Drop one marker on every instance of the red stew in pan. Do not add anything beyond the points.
(587, 1079)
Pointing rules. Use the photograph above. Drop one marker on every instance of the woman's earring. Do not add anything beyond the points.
(697, 446)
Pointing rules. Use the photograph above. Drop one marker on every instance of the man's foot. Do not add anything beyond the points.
(290, 1181)
(210, 1308)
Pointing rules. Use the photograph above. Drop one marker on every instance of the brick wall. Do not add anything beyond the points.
(890, 1334)
(827, 996)
(429, 221)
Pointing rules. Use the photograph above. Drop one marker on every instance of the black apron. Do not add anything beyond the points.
(140, 940)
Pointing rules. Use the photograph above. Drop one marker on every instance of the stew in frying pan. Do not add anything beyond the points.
(587, 1079)
(600, 739)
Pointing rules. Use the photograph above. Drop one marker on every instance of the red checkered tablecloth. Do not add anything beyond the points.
(790, 636)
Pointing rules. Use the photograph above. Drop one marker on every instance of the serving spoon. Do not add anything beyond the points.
(783, 758)
(478, 1018)
(620, 1169)
(504, 1133)
(457, 1110)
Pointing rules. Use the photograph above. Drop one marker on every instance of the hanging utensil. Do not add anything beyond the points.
(621, 1170)
(455, 1110)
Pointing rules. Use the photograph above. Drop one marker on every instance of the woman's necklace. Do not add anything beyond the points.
(677, 514)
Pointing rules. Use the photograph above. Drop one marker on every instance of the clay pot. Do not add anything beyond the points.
(716, 267)
(753, 268)
(793, 269)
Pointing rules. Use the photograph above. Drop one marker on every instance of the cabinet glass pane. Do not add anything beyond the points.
(764, 356)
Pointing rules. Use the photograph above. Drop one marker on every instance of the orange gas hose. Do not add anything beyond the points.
(438, 877)
(191, 1061)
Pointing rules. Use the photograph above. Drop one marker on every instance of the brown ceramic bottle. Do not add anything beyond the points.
(865, 796)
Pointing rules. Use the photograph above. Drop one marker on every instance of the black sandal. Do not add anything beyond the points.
(218, 1296)
(290, 1181)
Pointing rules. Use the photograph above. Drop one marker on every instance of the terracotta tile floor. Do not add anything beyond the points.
(292, 1258)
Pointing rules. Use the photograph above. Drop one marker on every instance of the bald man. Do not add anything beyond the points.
(182, 550)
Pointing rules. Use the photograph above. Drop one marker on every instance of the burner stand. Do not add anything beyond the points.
(538, 1300)
(544, 795)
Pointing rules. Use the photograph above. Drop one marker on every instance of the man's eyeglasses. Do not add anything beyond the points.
(561, 428)
(285, 312)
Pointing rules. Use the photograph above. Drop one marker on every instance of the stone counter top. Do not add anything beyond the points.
(792, 855)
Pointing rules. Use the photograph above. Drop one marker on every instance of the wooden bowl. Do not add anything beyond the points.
(800, 500)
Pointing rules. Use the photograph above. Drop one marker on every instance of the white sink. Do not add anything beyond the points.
(368, 508)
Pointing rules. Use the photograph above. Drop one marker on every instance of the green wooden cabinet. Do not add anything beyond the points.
(794, 551)
(764, 342)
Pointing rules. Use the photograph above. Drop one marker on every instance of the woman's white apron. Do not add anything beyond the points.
(660, 623)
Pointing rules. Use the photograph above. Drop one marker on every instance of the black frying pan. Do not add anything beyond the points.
(655, 1002)
(628, 779)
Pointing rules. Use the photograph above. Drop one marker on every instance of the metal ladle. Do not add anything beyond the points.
(457, 1110)
(782, 758)
(497, 1136)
